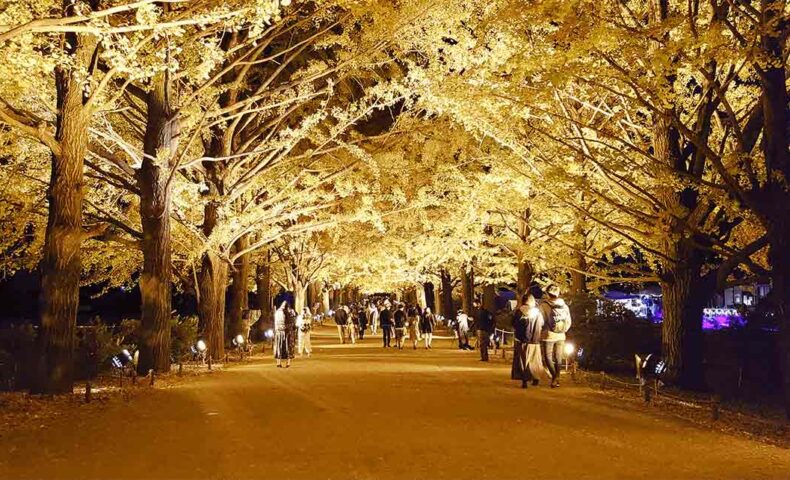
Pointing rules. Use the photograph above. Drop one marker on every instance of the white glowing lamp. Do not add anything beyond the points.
(569, 349)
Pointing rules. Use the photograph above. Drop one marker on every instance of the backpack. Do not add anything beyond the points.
(560, 318)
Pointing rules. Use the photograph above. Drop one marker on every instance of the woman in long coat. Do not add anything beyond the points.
(527, 357)
(281, 343)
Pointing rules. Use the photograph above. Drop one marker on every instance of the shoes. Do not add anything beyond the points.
(535, 382)
(279, 366)
(524, 385)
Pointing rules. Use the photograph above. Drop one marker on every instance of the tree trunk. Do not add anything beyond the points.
(489, 297)
(779, 257)
(160, 146)
(422, 299)
(211, 308)
(61, 262)
(468, 290)
(239, 291)
(685, 294)
(776, 199)
(525, 274)
(264, 294)
(430, 296)
(579, 279)
(447, 295)
(300, 296)
(325, 303)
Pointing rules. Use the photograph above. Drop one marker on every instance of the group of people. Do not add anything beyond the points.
(540, 331)
(291, 333)
(393, 319)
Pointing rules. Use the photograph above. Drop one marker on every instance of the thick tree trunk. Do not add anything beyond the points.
(579, 279)
(264, 295)
(779, 257)
(685, 294)
(422, 299)
(239, 291)
(525, 274)
(489, 297)
(160, 145)
(300, 296)
(776, 199)
(61, 263)
(468, 290)
(447, 295)
(211, 308)
(430, 296)
(325, 300)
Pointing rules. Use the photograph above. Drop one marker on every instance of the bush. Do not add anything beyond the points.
(612, 336)
(183, 334)
(17, 356)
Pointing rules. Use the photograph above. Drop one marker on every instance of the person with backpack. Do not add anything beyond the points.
(557, 318)
(341, 320)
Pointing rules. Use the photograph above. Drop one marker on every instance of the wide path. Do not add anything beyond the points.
(357, 412)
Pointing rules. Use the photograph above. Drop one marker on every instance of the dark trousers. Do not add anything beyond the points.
(386, 334)
(552, 357)
(482, 343)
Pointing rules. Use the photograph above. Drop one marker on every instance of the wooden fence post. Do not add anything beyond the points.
(87, 392)
(603, 381)
(715, 407)
(151, 372)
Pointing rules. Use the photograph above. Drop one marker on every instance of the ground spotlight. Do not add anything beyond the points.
(269, 333)
(122, 360)
(650, 366)
(569, 349)
(238, 340)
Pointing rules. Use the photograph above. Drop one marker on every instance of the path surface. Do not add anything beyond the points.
(357, 412)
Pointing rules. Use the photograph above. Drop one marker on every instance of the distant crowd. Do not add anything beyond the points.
(539, 330)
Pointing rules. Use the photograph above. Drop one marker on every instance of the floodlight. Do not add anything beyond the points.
(121, 360)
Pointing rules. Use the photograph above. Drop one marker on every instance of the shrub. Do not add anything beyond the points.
(183, 334)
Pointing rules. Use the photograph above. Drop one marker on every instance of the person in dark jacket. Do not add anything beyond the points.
(362, 321)
(385, 318)
(485, 328)
(427, 324)
(290, 330)
(400, 326)
(341, 320)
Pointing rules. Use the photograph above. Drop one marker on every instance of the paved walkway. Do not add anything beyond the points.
(359, 412)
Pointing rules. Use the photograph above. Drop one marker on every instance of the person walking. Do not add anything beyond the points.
(362, 321)
(400, 326)
(341, 320)
(373, 316)
(485, 328)
(427, 324)
(304, 324)
(557, 322)
(290, 330)
(527, 357)
(462, 327)
(281, 337)
(386, 325)
(351, 326)
(413, 320)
